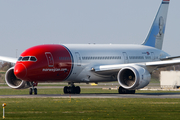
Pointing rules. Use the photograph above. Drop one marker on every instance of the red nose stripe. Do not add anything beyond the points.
(20, 70)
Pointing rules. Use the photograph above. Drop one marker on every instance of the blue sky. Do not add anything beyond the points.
(26, 23)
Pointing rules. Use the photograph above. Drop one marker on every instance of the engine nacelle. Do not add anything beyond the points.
(133, 77)
(13, 82)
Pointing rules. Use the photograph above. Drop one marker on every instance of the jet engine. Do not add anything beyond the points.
(13, 82)
(133, 77)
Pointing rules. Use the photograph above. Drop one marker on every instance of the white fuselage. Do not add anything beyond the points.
(87, 56)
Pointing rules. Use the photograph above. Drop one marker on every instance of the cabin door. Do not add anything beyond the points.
(125, 57)
(78, 58)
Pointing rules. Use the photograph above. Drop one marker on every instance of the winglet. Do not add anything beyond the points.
(156, 34)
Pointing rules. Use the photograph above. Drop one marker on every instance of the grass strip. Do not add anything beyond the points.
(91, 109)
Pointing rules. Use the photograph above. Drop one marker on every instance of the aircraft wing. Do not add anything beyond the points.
(164, 63)
(112, 69)
(170, 57)
(8, 59)
(109, 69)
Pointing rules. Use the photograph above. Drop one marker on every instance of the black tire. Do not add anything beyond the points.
(69, 89)
(77, 89)
(66, 89)
(30, 91)
(132, 91)
(35, 91)
(120, 90)
(72, 89)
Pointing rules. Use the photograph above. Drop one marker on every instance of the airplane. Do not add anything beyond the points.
(130, 65)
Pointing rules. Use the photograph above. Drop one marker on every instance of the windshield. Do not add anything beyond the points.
(27, 58)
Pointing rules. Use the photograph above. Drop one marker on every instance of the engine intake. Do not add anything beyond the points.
(133, 77)
(13, 82)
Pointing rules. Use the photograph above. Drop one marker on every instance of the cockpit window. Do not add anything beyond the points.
(25, 58)
(20, 58)
(33, 59)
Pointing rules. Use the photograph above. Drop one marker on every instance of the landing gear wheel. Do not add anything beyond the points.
(65, 90)
(30, 91)
(35, 91)
(78, 89)
(132, 91)
(72, 90)
(122, 90)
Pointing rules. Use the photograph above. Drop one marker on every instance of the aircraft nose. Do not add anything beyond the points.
(20, 71)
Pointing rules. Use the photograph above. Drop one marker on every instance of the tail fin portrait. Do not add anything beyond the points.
(156, 34)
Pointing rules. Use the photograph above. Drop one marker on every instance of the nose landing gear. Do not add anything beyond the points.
(72, 89)
(33, 90)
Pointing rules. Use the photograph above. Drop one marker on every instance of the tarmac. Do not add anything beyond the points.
(99, 95)
(153, 87)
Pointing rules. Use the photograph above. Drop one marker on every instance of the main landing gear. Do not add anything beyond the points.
(72, 89)
(121, 90)
(33, 90)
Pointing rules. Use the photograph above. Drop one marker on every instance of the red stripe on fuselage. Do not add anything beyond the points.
(41, 70)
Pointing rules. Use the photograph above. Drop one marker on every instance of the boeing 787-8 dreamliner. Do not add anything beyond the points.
(130, 65)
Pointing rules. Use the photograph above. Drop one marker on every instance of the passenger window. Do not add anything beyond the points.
(33, 59)
(25, 59)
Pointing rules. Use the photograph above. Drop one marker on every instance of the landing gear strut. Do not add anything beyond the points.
(72, 89)
(33, 90)
(121, 90)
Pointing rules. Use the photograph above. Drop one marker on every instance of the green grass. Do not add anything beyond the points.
(2, 72)
(88, 109)
(91, 109)
(153, 80)
(4, 84)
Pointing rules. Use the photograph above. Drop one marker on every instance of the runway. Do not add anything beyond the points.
(153, 87)
(99, 95)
